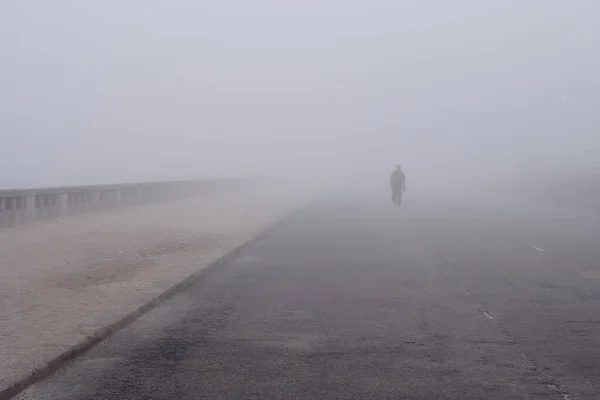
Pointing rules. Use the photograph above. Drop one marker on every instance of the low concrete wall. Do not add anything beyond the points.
(27, 205)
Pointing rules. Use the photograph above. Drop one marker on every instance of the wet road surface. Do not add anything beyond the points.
(358, 300)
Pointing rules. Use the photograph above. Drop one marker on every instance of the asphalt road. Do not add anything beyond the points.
(355, 299)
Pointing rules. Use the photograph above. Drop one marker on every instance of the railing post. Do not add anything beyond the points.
(29, 212)
(64, 204)
(95, 201)
(2, 212)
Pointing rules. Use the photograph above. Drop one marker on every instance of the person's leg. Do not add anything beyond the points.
(396, 196)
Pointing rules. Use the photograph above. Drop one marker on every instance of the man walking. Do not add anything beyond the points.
(398, 185)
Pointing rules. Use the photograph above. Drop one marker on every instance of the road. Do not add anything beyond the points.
(355, 299)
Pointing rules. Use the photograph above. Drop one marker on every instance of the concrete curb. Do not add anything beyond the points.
(101, 334)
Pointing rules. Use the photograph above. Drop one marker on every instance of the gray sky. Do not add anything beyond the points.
(116, 90)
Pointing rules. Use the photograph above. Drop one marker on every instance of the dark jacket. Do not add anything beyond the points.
(397, 180)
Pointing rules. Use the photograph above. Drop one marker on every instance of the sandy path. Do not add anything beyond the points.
(62, 280)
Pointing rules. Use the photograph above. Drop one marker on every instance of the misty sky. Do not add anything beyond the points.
(117, 90)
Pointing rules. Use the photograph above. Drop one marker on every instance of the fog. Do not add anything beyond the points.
(112, 91)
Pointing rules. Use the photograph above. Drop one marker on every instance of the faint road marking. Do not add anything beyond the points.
(486, 314)
(465, 290)
(538, 249)
(556, 388)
